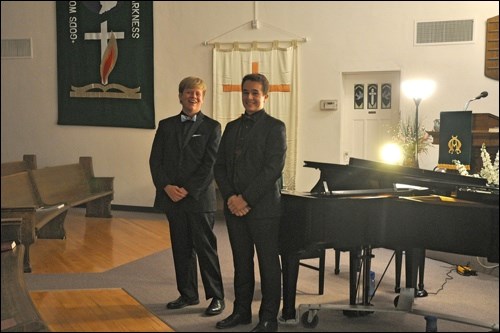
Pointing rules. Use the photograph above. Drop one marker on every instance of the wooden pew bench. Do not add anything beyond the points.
(28, 163)
(19, 314)
(75, 184)
(20, 200)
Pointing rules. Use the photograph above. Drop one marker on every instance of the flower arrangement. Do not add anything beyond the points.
(489, 171)
(403, 135)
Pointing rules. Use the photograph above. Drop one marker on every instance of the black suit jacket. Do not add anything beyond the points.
(256, 173)
(186, 161)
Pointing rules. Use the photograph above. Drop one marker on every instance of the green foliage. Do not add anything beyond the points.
(403, 134)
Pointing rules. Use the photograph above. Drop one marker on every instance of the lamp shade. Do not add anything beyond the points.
(418, 89)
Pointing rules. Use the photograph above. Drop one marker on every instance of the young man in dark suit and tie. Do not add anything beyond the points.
(181, 162)
(248, 170)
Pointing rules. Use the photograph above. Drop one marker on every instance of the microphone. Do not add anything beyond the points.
(481, 95)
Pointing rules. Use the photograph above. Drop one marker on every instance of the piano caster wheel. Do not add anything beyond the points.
(396, 300)
(309, 322)
(421, 293)
(397, 290)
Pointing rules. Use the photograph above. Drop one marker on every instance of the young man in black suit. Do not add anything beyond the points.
(248, 172)
(181, 162)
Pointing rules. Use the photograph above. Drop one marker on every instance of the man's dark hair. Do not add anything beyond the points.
(257, 78)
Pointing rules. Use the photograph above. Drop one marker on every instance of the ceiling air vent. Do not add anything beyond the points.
(16, 48)
(444, 32)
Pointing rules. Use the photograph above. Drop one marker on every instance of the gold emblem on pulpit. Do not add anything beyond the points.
(454, 145)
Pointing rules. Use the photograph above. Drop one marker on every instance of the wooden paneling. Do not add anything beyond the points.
(491, 54)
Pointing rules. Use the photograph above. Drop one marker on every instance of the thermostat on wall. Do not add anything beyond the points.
(328, 104)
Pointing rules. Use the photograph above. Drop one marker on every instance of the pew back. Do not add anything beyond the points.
(28, 163)
(63, 183)
(18, 191)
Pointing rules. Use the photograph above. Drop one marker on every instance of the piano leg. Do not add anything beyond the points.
(421, 292)
(367, 259)
(359, 258)
(290, 271)
(415, 264)
(354, 257)
(399, 264)
(337, 262)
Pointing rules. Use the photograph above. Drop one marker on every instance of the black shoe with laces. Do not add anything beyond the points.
(266, 326)
(233, 320)
(182, 302)
(216, 307)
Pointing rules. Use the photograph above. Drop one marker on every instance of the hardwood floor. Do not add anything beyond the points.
(97, 245)
(96, 310)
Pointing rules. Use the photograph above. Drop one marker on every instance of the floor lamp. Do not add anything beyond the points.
(417, 90)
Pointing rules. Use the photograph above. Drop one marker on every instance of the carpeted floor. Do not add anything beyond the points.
(152, 282)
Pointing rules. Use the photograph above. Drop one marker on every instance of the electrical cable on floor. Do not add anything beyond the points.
(485, 266)
(449, 277)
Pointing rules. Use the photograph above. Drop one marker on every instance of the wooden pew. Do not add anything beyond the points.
(75, 184)
(18, 311)
(28, 163)
(20, 200)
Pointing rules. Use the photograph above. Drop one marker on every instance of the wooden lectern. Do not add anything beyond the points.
(482, 125)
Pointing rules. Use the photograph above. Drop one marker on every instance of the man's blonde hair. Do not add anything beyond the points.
(192, 82)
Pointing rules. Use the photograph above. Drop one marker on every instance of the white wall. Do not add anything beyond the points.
(344, 37)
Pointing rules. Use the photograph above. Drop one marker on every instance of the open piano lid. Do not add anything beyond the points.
(426, 178)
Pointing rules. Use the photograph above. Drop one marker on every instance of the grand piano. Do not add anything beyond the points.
(358, 207)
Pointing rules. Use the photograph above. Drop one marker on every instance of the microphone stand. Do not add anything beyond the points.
(481, 95)
(467, 104)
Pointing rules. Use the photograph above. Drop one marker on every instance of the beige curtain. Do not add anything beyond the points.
(278, 62)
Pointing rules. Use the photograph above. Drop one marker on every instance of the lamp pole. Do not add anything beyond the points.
(417, 103)
(417, 90)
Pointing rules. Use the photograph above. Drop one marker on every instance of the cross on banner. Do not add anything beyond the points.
(255, 70)
(103, 36)
(232, 62)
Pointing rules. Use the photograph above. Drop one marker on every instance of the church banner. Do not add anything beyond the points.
(278, 62)
(105, 63)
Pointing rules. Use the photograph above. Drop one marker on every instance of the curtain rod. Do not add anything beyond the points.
(302, 40)
(255, 24)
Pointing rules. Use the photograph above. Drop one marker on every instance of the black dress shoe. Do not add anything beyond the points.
(216, 307)
(266, 326)
(182, 302)
(233, 320)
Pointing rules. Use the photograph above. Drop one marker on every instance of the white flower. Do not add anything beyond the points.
(403, 134)
(489, 171)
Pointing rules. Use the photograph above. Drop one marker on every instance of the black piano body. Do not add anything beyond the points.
(362, 208)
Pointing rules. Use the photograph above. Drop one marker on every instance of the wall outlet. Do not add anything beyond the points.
(346, 157)
(328, 104)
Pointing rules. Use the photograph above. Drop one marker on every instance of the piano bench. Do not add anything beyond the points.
(320, 254)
